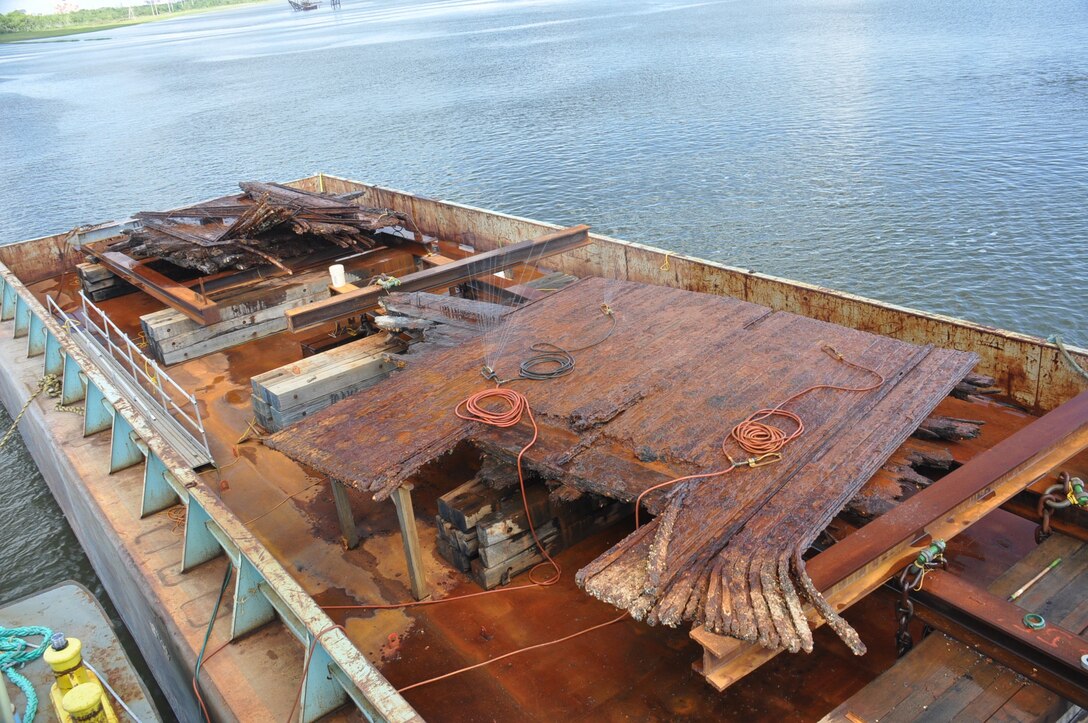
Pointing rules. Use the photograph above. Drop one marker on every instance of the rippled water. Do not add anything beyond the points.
(932, 153)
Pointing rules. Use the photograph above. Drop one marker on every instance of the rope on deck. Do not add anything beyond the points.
(15, 652)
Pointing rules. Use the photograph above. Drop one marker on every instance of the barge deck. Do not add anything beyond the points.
(277, 521)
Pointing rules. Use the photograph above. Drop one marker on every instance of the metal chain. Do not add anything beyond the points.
(50, 385)
(911, 578)
(1069, 491)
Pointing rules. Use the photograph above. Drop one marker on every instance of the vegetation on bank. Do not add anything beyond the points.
(19, 25)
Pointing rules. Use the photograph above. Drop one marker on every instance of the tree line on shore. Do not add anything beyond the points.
(20, 21)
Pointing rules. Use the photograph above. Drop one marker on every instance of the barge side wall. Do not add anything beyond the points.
(1027, 369)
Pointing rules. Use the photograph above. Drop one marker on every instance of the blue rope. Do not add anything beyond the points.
(15, 652)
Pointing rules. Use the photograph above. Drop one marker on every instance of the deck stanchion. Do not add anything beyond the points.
(35, 338)
(7, 305)
(251, 608)
(321, 693)
(22, 317)
(124, 452)
(97, 415)
(158, 493)
(71, 389)
(54, 356)
(199, 545)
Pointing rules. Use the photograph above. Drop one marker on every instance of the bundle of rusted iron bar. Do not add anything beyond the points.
(267, 224)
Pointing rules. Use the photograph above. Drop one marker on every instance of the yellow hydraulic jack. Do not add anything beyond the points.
(77, 694)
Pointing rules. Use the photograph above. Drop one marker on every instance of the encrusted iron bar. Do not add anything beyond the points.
(359, 679)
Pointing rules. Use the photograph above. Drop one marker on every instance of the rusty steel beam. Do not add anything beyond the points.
(170, 292)
(995, 627)
(854, 567)
(448, 274)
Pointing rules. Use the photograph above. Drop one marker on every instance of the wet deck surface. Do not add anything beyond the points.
(626, 671)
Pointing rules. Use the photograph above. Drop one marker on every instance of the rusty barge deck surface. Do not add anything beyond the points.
(278, 521)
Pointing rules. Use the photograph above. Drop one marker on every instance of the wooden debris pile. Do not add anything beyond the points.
(654, 403)
(483, 529)
(267, 224)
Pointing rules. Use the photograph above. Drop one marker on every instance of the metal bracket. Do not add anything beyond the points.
(124, 452)
(35, 338)
(97, 413)
(7, 304)
(158, 494)
(22, 317)
(71, 389)
(251, 608)
(199, 545)
(54, 356)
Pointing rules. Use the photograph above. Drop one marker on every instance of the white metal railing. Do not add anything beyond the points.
(171, 398)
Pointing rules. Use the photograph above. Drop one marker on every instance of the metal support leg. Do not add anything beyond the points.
(124, 452)
(35, 339)
(251, 608)
(321, 693)
(22, 317)
(7, 306)
(71, 390)
(402, 499)
(54, 356)
(158, 493)
(96, 415)
(199, 545)
(349, 532)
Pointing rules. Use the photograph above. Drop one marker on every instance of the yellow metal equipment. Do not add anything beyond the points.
(77, 694)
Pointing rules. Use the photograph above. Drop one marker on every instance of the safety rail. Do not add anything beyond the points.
(335, 671)
(171, 399)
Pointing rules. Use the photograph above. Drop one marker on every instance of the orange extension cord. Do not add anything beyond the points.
(504, 408)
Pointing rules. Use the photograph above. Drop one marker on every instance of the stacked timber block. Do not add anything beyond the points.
(173, 337)
(286, 394)
(483, 531)
(99, 283)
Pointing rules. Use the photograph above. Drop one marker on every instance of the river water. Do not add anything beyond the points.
(932, 154)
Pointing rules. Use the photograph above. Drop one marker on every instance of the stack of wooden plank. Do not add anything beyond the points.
(253, 314)
(99, 283)
(421, 321)
(484, 531)
(287, 394)
(267, 224)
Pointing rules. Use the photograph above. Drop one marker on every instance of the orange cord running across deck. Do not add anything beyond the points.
(757, 437)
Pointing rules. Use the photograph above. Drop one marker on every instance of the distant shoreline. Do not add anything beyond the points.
(25, 35)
